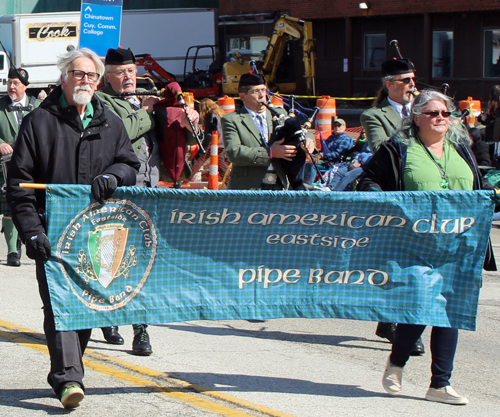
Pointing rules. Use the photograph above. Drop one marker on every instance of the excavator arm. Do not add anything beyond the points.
(287, 27)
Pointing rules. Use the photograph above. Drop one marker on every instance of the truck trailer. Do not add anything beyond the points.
(34, 41)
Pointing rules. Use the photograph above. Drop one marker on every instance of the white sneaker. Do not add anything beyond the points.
(446, 395)
(391, 380)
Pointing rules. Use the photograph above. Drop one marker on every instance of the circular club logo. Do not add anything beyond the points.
(106, 253)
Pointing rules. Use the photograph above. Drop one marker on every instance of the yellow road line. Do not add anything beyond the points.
(15, 335)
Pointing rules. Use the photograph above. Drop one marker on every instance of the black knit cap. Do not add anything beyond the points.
(119, 56)
(19, 73)
(397, 66)
(249, 79)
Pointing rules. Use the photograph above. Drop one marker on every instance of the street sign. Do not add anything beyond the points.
(100, 25)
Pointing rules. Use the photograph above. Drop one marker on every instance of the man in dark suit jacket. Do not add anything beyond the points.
(13, 106)
(380, 122)
(250, 141)
(395, 98)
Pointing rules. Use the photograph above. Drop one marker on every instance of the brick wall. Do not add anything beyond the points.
(320, 9)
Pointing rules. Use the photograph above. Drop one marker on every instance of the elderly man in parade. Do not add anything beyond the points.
(250, 141)
(380, 122)
(72, 138)
(137, 115)
(393, 102)
(13, 107)
(136, 109)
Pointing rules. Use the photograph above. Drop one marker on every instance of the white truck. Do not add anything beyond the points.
(34, 41)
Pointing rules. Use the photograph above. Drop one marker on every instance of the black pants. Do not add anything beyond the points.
(65, 348)
(443, 347)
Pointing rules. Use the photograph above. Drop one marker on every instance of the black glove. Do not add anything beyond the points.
(38, 247)
(103, 187)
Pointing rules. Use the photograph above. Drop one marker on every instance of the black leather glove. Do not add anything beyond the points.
(38, 247)
(103, 187)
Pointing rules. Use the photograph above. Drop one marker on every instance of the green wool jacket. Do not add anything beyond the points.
(380, 122)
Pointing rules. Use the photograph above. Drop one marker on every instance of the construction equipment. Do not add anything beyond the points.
(277, 63)
(202, 83)
(160, 76)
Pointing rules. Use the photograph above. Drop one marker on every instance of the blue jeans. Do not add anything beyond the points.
(443, 347)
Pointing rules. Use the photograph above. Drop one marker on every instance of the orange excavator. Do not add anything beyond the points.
(202, 83)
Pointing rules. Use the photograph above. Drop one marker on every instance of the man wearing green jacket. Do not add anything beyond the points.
(13, 106)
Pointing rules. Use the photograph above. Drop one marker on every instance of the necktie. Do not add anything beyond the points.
(405, 111)
(134, 101)
(264, 131)
(19, 114)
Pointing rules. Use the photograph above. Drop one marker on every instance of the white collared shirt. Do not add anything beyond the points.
(399, 107)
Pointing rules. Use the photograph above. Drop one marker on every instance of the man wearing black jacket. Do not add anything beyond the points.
(70, 139)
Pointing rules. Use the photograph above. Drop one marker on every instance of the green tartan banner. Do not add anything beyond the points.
(165, 255)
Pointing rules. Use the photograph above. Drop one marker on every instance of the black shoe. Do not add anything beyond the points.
(140, 344)
(386, 331)
(112, 336)
(418, 349)
(13, 259)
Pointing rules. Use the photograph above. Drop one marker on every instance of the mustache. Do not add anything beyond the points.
(83, 88)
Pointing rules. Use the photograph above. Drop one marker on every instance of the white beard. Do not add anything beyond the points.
(82, 95)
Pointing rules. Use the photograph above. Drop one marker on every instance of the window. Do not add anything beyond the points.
(492, 53)
(442, 54)
(374, 54)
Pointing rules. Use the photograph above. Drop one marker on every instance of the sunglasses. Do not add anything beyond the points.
(436, 113)
(407, 80)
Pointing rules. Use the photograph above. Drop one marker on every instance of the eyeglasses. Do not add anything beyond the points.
(407, 80)
(121, 73)
(258, 91)
(14, 83)
(436, 113)
(80, 75)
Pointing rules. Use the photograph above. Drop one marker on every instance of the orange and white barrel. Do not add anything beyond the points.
(276, 102)
(327, 109)
(227, 104)
(474, 107)
(213, 172)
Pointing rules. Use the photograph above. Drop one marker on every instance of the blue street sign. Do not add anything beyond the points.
(100, 25)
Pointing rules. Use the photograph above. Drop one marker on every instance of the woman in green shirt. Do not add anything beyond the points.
(429, 153)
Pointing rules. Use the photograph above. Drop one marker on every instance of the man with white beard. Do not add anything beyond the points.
(72, 138)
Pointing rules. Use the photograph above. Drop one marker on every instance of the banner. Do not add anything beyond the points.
(166, 255)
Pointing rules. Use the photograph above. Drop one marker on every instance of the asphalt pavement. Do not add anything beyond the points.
(282, 367)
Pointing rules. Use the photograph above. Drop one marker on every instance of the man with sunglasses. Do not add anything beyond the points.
(392, 104)
(71, 138)
(380, 122)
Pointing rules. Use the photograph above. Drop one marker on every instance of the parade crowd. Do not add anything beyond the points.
(106, 138)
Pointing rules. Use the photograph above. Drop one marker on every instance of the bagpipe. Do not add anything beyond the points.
(171, 132)
(444, 87)
(291, 128)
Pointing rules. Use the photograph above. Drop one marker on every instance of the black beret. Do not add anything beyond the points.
(119, 56)
(20, 73)
(397, 66)
(248, 79)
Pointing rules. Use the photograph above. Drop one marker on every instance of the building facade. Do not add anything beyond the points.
(450, 42)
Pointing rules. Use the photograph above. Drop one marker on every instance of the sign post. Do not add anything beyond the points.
(100, 25)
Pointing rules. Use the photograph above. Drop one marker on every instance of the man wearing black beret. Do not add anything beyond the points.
(137, 115)
(380, 122)
(393, 102)
(252, 147)
(13, 107)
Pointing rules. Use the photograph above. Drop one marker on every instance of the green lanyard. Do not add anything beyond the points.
(445, 183)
